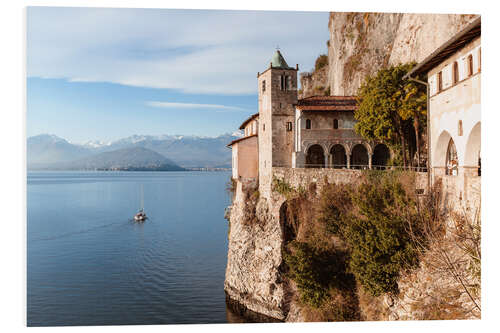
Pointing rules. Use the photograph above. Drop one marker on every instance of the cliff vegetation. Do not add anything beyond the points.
(376, 251)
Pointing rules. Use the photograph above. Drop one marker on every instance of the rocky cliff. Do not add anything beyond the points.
(362, 43)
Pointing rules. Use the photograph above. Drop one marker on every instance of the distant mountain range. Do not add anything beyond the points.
(137, 152)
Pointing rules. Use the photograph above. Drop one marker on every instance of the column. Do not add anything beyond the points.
(327, 160)
(348, 160)
(370, 161)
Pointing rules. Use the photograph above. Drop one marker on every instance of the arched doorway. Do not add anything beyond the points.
(315, 157)
(451, 159)
(339, 158)
(473, 149)
(359, 157)
(381, 155)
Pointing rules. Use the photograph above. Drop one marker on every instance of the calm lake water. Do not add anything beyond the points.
(90, 264)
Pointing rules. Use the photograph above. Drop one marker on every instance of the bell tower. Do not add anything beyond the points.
(277, 87)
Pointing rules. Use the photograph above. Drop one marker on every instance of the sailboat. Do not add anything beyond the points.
(141, 215)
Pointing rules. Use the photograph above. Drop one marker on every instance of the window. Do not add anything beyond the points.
(282, 82)
(455, 72)
(308, 123)
(263, 85)
(335, 123)
(479, 60)
(440, 81)
(289, 126)
(460, 128)
(263, 127)
(470, 65)
(288, 85)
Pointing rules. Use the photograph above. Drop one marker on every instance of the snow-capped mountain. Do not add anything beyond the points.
(185, 150)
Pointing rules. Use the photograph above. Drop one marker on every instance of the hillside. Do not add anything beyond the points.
(45, 149)
(134, 158)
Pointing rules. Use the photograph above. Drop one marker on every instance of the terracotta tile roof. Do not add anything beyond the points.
(328, 103)
(248, 120)
(240, 139)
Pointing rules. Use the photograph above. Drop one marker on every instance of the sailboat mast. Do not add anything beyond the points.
(142, 196)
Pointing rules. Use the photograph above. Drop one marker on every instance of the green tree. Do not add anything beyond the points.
(388, 106)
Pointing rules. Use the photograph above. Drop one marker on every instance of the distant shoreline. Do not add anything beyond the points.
(128, 170)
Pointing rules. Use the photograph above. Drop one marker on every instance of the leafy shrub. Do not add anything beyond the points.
(373, 219)
(284, 188)
(335, 207)
(321, 62)
(378, 236)
(316, 272)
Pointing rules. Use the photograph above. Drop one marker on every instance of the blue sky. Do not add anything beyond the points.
(103, 73)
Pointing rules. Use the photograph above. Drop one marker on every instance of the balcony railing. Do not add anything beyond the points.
(366, 167)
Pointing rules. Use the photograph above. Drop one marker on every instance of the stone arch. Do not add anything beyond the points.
(289, 221)
(451, 159)
(315, 156)
(381, 156)
(473, 148)
(339, 156)
(359, 158)
(440, 149)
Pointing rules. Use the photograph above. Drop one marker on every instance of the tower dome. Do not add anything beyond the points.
(278, 61)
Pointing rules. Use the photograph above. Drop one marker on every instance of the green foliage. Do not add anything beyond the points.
(335, 207)
(373, 218)
(389, 105)
(321, 62)
(316, 272)
(282, 187)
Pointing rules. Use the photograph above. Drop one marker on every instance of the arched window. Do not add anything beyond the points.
(335, 123)
(455, 72)
(263, 85)
(470, 65)
(479, 60)
(440, 81)
(451, 159)
(460, 128)
(308, 123)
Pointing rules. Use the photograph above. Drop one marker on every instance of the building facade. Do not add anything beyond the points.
(454, 129)
(314, 132)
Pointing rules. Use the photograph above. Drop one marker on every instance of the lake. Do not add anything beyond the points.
(90, 264)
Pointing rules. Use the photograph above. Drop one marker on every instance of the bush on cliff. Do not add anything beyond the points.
(317, 271)
(373, 219)
(321, 62)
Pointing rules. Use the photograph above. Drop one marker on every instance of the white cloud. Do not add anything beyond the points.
(214, 52)
(171, 105)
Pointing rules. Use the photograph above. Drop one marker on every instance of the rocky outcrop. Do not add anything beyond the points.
(362, 43)
(253, 276)
(314, 83)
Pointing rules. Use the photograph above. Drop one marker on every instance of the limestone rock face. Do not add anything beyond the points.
(362, 43)
(314, 83)
(253, 278)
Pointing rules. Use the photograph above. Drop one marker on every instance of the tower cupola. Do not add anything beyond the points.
(278, 61)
